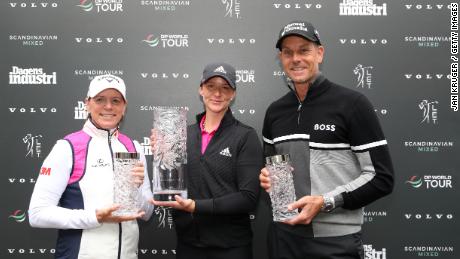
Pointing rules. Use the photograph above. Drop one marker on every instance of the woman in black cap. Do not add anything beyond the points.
(224, 159)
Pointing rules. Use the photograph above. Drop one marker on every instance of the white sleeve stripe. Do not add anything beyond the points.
(268, 140)
(370, 145)
(327, 145)
(293, 136)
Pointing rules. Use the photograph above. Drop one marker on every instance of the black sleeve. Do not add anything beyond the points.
(370, 147)
(248, 165)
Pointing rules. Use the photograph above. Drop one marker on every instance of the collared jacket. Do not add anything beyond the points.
(67, 194)
(337, 148)
(224, 184)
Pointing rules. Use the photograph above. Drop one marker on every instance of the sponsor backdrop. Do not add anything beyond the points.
(397, 53)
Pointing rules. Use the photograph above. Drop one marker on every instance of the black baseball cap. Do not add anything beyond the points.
(221, 69)
(299, 28)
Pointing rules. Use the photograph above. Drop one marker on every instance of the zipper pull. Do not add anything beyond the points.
(298, 113)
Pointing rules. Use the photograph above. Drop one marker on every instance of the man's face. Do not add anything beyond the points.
(300, 59)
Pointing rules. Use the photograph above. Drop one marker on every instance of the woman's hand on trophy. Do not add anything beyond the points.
(138, 174)
(105, 215)
(180, 204)
(264, 179)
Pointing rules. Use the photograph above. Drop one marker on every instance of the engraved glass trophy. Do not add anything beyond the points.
(125, 191)
(282, 191)
(169, 153)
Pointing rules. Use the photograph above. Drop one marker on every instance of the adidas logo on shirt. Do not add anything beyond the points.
(220, 70)
(226, 152)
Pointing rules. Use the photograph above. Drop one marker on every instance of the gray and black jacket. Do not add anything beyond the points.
(337, 149)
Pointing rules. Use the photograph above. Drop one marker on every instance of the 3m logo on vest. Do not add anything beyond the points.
(226, 152)
(45, 171)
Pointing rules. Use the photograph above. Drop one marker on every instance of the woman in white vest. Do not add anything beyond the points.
(74, 191)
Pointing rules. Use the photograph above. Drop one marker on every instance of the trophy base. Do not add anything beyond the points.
(168, 195)
(125, 212)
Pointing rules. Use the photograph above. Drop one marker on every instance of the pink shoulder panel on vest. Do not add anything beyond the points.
(127, 142)
(79, 141)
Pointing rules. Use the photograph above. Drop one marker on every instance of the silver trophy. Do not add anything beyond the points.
(125, 191)
(169, 153)
(282, 192)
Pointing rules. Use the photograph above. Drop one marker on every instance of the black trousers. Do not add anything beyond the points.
(285, 245)
(185, 251)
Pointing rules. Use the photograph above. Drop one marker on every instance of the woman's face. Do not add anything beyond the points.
(217, 94)
(106, 108)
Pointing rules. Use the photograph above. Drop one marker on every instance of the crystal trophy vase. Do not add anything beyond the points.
(169, 153)
(282, 192)
(125, 191)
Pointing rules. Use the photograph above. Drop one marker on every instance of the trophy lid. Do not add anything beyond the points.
(126, 155)
(277, 159)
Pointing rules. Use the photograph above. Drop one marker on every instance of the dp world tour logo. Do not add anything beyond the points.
(151, 41)
(86, 5)
(18, 216)
(101, 5)
(415, 182)
(167, 40)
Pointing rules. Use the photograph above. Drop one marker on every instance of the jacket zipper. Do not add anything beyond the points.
(299, 108)
(109, 140)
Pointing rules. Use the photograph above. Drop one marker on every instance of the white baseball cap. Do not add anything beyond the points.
(102, 82)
